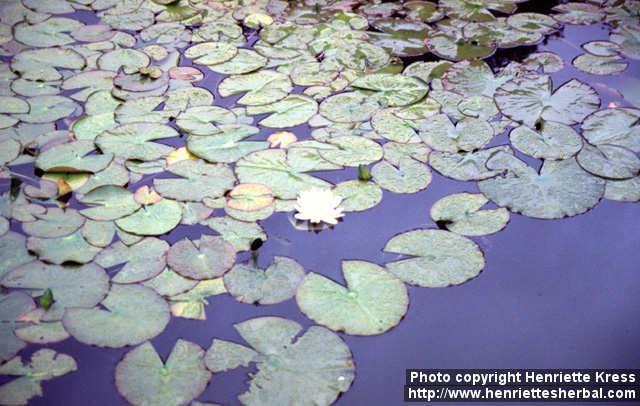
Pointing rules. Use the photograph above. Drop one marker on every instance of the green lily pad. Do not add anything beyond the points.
(409, 176)
(468, 134)
(609, 161)
(316, 364)
(198, 180)
(51, 32)
(143, 379)
(289, 112)
(245, 61)
(352, 151)
(373, 302)
(279, 282)
(13, 251)
(262, 87)
(142, 261)
(83, 286)
(439, 258)
(284, 172)
(42, 333)
(41, 64)
(553, 141)
(203, 120)
(72, 157)
(533, 22)
(461, 214)
(134, 141)
(110, 202)
(227, 144)
(55, 222)
(240, 234)
(250, 197)
(392, 90)
(600, 65)
(206, 258)
(627, 190)
(169, 283)
(561, 189)
(45, 365)
(211, 53)
(155, 219)
(45, 109)
(472, 78)
(13, 305)
(98, 233)
(578, 13)
(350, 107)
(466, 166)
(129, 315)
(358, 195)
(529, 98)
(627, 36)
(619, 126)
(190, 304)
(72, 248)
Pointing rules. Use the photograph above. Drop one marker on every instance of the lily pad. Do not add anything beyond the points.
(439, 258)
(349, 107)
(156, 219)
(461, 214)
(409, 176)
(316, 364)
(237, 233)
(358, 195)
(227, 144)
(70, 248)
(373, 301)
(144, 379)
(250, 197)
(142, 261)
(468, 134)
(55, 222)
(262, 87)
(111, 203)
(392, 90)
(466, 166)
(206, 258)
(13, 305)
(352, 151)
(135, 141)
(619, 126)
(13, 251)
(72, 157)
(561, 189)
(82, 286)
(279, 282)
(198, 180)
(609, 161)
(211, 53)
(553, 141)
(600, 65)
(45, 365)
(289, 112)
(129, 315)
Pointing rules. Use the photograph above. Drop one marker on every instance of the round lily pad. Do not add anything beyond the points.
(83, 286)
(198, 180)
(609, 161)
(73, 157)
(238, 233)
(392, 90)
(373, 301)
(262, 87)
(156, 219)
(468, 134)
(110, 202)
(348, 107)
(141, 261)
(277, 283)
(409, 176)
(129, 315)
(250, 197)
(291, 111)
(358, 195)
(461, 214)
(135, 141)
(206, 258)
(352, 151)
(466, 166)
(55, 222)
(144, 379)
(70, 248)
(619, 126)
(12, 306)
(14, 243)
(553, 141)
(439, 258)
(562, 188)
(211, 53)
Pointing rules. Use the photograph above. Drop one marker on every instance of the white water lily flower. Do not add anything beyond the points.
(319, 205)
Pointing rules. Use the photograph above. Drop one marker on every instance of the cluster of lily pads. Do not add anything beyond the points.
(110, 139)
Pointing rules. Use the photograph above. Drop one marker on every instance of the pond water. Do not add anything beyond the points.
(561, 293)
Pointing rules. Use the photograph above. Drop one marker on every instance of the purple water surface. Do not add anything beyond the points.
(553, 294)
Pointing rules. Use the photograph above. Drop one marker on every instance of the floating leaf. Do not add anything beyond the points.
(203, 120)
(440, 258)
(373, 301)
(12, 306)
(190, 304)
(226, 145)
(553, 141)
(578, 13)
(466, 166)
(352, 151)
(237, 233)
(277, 283)
(600, 65)
(250, 197)
(262, 87)
(72, 157)
(73, 248)
(55, 222)
(134, 141)
(13, 251)
(468, 134)
(461, 214)
(627, 190)
(289, 112)
(348, 107)
(211, 53)
(619, 126)
(45, 109)
(198, 180)
(316, 364)
(358, 195)
(45, 364)
(609, 161)
(143, 379)
(41, 64)
(529, 98)
(206, 258)
(69, 286)
(129, 315)
(245, 61)
(562, 188)
(111, 203)
(169, 283)
(155, 219)
(392, 90)
(142, 260)
(409, 176)
(51, 32)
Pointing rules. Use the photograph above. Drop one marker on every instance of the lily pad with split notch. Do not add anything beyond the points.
(373, 301)
(462, 214)
(144, 379)
(316, 364)
(155, 219)
(129, 315)
(609, 161)
(206, 258)
(279, 282)
(439, 258)
(198, 180)
(552, 141)
(408, 176)
(141, 261)
(238, 233)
